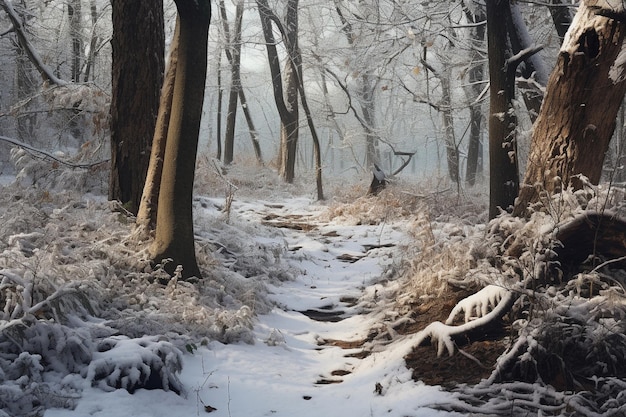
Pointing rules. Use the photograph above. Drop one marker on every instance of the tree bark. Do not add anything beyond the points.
(284, 96)
(74, 14)
(577, 119)
(174, 238)
(452, 148)
(137, 76)
(234, 46)
(534, 75)
(93, 43)
(473, 92)
(233, 55)
(504, 176)
(289, 129)
(147, 215)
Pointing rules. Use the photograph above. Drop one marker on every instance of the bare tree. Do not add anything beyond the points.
(584, 92)
(474, 91)
(285, 85)
(237, 94)
(503, 168)
(137, 74)
(174, 237)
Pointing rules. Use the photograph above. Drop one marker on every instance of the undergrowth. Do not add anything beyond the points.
(77, 288)
(567, 346)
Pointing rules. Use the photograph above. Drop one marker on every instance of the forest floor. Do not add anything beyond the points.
(472, 362)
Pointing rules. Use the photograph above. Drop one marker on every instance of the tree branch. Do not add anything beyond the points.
(47, 75)
(49, 155)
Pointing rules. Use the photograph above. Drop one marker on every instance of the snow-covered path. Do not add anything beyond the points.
(294, 368)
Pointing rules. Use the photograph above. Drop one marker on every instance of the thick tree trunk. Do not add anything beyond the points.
(137, 76)
(147, 215)
(577, 119)
(174, 237)
(595, 235)
(289, 128)
(504, 176)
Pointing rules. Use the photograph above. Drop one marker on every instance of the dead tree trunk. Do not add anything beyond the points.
(577, 119)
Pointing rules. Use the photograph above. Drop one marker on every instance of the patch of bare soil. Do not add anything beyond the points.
(470, 363)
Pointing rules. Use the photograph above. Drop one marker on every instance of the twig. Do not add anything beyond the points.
(49, 155)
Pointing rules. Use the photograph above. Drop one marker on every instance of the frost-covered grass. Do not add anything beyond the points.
(89, 327)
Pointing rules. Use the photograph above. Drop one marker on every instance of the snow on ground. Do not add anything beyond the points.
(294, 315)
(289, 370)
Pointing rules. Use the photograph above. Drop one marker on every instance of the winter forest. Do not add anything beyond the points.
(310, 208)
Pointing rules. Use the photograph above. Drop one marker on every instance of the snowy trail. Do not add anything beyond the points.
(293, 369)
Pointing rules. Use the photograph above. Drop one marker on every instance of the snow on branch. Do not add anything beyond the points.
(445, 335)
(48, 154)
(479, 304)
(47, 75)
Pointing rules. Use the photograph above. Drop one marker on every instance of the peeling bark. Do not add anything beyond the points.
(577, 119)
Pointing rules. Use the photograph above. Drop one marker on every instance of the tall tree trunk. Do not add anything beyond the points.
(473, 92)
(577, 119)
(93, 43)
(233, 54)
(368, 110)
(137, 76)
(503, 169)
(234, 47)
(289, 129)
(74, 14)
(283, 97)
(26, 87)
(147, 215)
(218, 112)
(452, 149)
(174, 238)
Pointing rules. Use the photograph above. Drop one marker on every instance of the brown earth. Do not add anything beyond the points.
(470, 362)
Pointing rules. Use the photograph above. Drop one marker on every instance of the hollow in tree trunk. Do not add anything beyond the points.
(577, 119)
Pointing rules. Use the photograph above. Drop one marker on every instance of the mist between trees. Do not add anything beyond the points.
(314, 89)
(380, 77)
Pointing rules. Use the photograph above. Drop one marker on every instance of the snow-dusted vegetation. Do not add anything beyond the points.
(85, 315)
(409, 298)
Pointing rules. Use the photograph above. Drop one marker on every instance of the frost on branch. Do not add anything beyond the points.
(131, 364)
(445, 335)
(478, 305)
